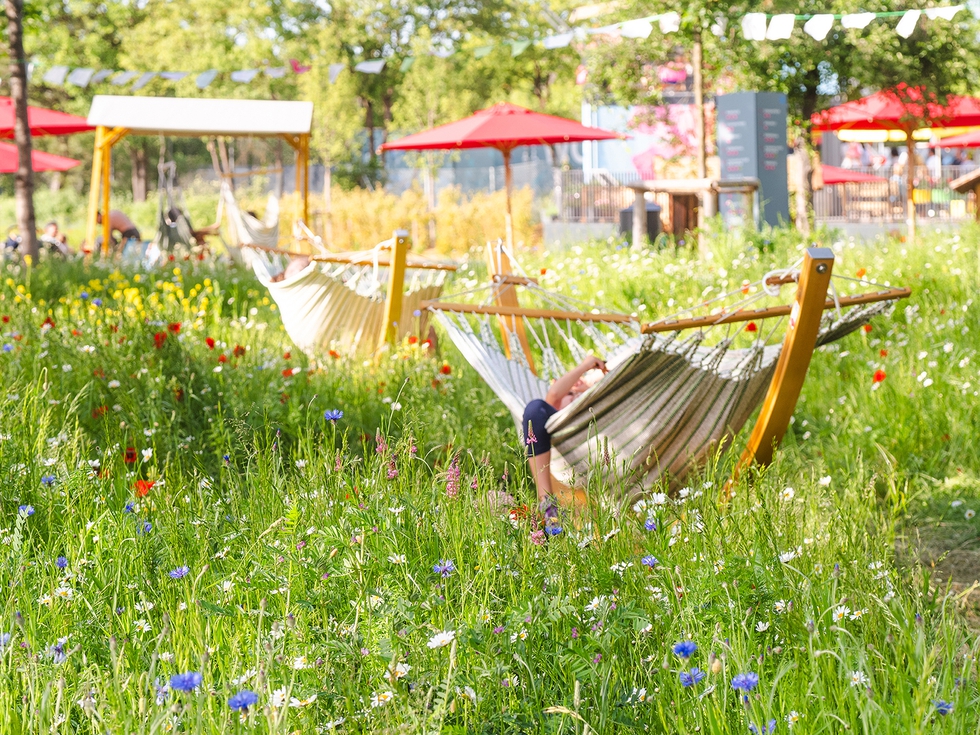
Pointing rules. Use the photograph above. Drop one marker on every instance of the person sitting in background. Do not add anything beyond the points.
(119, 222)
(296, 265)
(562, 392)
(55, 239)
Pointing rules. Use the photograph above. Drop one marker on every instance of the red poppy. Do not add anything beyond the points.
(334, 354)
(518, 512)
(445, 370)
(122, 339)
(238, 351)
(222, 358)
(879, 376)
(98, 373)
(179, 394)
(209, 342)
(436, 383)
(99, 412)
(544, 271)
(174, 327)
(114, 327)
(284, 398)
(751, 327)
(159, 338)
(6, 319)
(18, 337)
(49, 322)
(866, 328)
(142, 487)
(172, 258)
(412, 339)
(861, 272)
(286, 355)
(287, 373)
(129, 456)
(883, 353)
(75, 333)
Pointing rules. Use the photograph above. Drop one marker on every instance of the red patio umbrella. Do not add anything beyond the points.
(504, 127)
(836, 175)
(40, 161)
(903, 108)
(964, 140)
(41, 120)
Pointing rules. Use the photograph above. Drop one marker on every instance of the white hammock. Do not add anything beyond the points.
(246, 229)
(341, 308)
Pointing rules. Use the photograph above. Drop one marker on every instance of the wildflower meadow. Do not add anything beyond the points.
(204, 530)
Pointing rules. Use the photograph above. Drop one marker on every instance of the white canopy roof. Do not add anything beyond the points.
(192, 116)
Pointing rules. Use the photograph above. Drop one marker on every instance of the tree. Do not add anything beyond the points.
(24, 179)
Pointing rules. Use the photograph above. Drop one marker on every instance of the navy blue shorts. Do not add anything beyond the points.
(536, 436)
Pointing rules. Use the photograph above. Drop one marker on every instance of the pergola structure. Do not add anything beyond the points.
(115, 117)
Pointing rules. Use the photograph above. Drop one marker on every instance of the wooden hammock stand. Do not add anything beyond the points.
(396, 259)
(805, 314)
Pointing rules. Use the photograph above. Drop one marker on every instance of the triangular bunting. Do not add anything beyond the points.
(670, 22)
(781, 27)
(333, 71)
(145, 78)
(906, 26)
(204, 79)
(55, 75)
(819, 26)
(370, 67)
(754, 26)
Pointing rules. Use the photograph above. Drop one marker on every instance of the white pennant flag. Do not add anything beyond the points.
(781, 27)
(205, 78)
(173, 76)
(754, 26)
(857, 20)
(819, 26)
(124, 78)
(101, 75)
(334, 71)
(275, 72)
(370, 67)
(145, 79)
(906, 26)
(670, 22)
(244, 75)
(80, 77)
(55, 75)
(560, 41)
(947, 12)
(636, 29)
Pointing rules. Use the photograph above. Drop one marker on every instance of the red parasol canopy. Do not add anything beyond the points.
(42, 121)
(965, 140)
(504, 127)
(836, 175)
(40, 161)
(900, 109)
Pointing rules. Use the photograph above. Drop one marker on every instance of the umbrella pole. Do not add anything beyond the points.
(910, 192)
(508, 181)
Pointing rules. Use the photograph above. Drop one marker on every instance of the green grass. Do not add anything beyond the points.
(310, 545)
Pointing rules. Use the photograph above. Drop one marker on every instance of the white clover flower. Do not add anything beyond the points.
(442, 639)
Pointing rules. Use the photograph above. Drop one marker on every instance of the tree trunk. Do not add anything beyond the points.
(804, 186)
(369, 124)
(138, 154)
(24, 179)
(327, 204)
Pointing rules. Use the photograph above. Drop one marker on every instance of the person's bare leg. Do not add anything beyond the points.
(541, 469)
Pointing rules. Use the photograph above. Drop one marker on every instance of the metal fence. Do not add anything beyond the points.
(886, 200)
(596, 197)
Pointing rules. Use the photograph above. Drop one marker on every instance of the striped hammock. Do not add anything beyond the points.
(665, 405)
(340, 309)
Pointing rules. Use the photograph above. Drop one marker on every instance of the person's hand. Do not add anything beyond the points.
(592, 362)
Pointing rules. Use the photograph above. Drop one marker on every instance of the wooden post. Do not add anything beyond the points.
(95, 185)
(639, 217)
(396, 288)
(976, 201)
(106, 190)
(498, 264)
(508, 183)
(798, 346)
(910, 184)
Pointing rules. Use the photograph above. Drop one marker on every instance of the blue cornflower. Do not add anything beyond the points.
(649, 561)
(4, 640)
(650, 524)
(333, 414)
(145, 528)
(745, 682)
(243, 700)
(61, 562)
(771, 727)
(685, 649)
(417, 313)
(47, 480)
(8, 347)
(129, 508)
(552, 530)
(25, 510)
(179, 572)
(97, 302)
(942, 706)
(226, 458)
(83, 295)
(445, 567)
(186, 682)
(692, 677)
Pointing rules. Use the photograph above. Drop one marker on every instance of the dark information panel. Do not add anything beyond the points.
(751, 135)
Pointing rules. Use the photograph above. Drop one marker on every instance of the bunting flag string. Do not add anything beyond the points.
(759, 27)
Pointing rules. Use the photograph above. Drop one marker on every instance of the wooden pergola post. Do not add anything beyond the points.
(100, 184)
(794, 360)
(396, 288)
(639, 217)
(498, 264)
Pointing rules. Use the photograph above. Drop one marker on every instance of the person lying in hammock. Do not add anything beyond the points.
(562, 392)
(296, 265)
